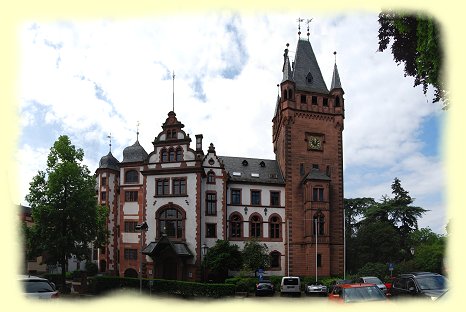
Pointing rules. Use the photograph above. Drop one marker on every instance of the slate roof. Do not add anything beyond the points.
(109, 162)
(305, 62)
(181, 249)
(134, 153)
(336, 83)
(316, 174)
(252, 170)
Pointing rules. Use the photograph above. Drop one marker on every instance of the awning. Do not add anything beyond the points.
(155, 248)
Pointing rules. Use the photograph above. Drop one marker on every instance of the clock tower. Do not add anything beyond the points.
(307, 140)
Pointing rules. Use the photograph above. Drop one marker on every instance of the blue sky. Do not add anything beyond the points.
(90, 78)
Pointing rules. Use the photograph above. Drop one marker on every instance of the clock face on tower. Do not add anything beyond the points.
(314, 142)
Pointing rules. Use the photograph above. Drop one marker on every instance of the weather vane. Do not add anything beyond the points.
(308, 22)
(110, 137)
(173, 104)
(137, 131)
(299, 20)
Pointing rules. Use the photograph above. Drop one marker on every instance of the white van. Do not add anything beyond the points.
(290, 285)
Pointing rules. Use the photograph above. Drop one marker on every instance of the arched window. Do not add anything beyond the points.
(290, 94)
(337, 101)
(171, 154)
(164, 155)
(131, 176)
(236, 226)
(211, 177)
(255, 226)
(318, 223)
(285, 94)
(171, 222)
(274, 226)
(275, 258)
(179, 154)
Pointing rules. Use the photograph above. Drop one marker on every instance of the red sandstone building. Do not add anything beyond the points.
(190, 198)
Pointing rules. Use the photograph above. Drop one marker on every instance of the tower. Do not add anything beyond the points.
(307, 140)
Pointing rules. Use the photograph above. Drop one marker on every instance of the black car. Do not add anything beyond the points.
(419, 284)
(265, 288)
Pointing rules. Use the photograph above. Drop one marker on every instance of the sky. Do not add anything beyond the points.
(92, 78)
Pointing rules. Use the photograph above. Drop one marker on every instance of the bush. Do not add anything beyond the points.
(91, 268)
(374, 269)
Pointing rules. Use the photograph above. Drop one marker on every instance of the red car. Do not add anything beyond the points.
(356, 293)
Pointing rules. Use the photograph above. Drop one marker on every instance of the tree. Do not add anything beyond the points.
(255, 256)
(416, 43)
(64, 206)
(222, 257)
(355, 209)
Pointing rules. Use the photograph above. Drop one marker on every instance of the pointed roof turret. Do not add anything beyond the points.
(336, 83)
(306, 70)
(287, 72)
(134, 153)
(109, 162)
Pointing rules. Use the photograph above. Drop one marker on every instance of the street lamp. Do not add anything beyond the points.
(204, 250)
(412, 251)
(141, 228)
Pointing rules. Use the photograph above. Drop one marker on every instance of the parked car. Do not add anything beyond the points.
(356, 293)
(419, 284)
(316, 288)
(265, 288)
(373, 280)
(338, 282)
(37, 287)
(290, 285)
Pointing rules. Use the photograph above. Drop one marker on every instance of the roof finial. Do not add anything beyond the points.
(137, 131)
(110, 137)
(335, 53)
(308, 22)
(173, 105)
(278, 89)
(299, 20)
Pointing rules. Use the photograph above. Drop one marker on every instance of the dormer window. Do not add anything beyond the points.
(245, 162)
(309, 78)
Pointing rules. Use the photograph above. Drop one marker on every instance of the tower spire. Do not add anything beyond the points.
(173, 104)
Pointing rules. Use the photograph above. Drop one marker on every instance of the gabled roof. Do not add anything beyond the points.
(252, 170)
(305, 63)
(154, 248)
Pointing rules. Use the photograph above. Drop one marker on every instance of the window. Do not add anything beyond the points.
(318, 223)
(319, 260)
(314, 100)
(325, 102)
(171, 134)
(235, 197)
(255, 197)
(164, 155)
(236, 226)
(290, 94)
(131, 254)
(103, 181)
(318, 194)
(211, 230)
(211, 204)
(103, 196)
(131, 196)
(255, 226)
(337, 101)
(131, 176)
(162, 187)
(309, 78)
(274, 198)
(130, 226)
(211, 177)
(274, 227)
(171, 154)
(179, 186)
(275, 260)
(303, 99)
(179, 154)
(171, 223)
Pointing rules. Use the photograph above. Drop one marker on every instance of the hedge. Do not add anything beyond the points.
(101, 284)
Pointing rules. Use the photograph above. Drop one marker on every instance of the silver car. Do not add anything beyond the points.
(373, 280)
(316, 289)
(37, 287)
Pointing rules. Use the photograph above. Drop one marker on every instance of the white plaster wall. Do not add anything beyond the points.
(130, 238)
(130, 208)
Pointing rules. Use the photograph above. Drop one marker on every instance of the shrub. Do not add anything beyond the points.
(91, 268)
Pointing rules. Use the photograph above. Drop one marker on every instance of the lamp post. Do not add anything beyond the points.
(204, 250)
(141, 228)
(412, 251)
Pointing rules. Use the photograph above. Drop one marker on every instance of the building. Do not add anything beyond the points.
(190, 198)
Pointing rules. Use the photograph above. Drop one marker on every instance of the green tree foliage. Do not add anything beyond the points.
(222, 257)
(64, 206)
(415, 42)
(255, 256)
(429, 249)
